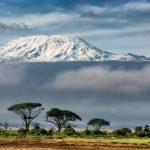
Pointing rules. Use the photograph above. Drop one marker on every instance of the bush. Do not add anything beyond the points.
(140, 134)
(69, 131)
(40, 131)
(13, 133)
(138, 129)
(98, 132)
(146, 128)
(87, 132)
(122, 132)
(22, 131)
(36, 125)
(51, 132)
(43, 131)
(4, 133)
(59, 135)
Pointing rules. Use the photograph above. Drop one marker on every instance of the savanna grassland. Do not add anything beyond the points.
(74, 144)
(10, 140)
(64, 134)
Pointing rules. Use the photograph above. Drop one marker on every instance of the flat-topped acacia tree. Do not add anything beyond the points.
(98, 123)
(27, 112)
(61, 118)
(5, 125)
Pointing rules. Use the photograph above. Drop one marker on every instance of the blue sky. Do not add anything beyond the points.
(118, 26)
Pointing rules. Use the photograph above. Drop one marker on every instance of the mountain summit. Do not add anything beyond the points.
(58, 48)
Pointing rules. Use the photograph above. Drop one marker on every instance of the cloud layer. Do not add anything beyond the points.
(103, 80)
(11, 75)
(13, 26)
(111, 93)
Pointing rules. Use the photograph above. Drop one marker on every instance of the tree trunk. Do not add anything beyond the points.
(99, 127)
(59, 129)
(27, 126)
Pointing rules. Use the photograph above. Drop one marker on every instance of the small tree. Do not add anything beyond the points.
(27, 112)
(36, 125)
(98, 123)
(138, 129)
(61, 118)
(122, 132)
(146, 128)
(5, 125)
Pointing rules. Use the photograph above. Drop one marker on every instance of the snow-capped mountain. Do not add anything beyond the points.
(58, 48)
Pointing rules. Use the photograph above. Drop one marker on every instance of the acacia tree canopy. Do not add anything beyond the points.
(98, 123)
(61, 118)
(27, 112)
(5, 125)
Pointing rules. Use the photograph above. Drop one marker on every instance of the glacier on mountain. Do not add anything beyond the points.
(58, 48)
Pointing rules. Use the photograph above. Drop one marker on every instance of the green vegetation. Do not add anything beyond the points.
(4, 126)
(118, 136)
(27, 112)
(62, 120)
(122, 132)
(98, 123)
(70, 132)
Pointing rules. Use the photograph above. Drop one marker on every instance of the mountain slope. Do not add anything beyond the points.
(57, 48)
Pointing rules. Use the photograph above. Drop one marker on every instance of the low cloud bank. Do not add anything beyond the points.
(103, 80)
(11, 75)
(114, 94)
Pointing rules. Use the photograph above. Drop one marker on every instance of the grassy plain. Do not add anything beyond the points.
(42, 143)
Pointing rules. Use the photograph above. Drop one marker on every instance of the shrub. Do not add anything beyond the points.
(138, 129)
(128, 131)
(51, 132)
(69, 131)
(96, 133)
(146, 128)
(40, 131)
(3, 133)
(140, 134)
(34, 131)
(36, 125)
(13, 133)
(59, 135)
(122, 132)
(22, 131)
(43, 131)
(87, 132)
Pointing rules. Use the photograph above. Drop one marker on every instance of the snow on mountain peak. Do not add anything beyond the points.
(57, 48)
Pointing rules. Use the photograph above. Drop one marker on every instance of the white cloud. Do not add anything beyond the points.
(95, 9)
(35, 20)
(103, 80)
(111, 32)
(11, 75)
(143, 5)
(60, 17)
(130, 6)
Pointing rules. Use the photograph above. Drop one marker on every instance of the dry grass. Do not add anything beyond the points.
(73, 144)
